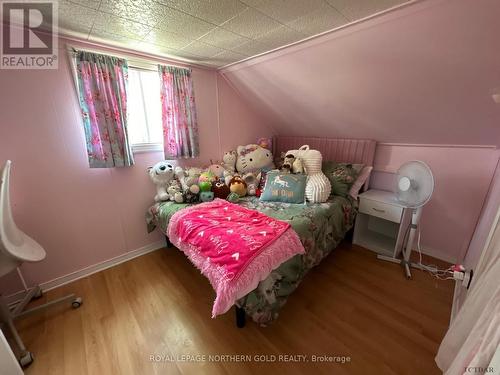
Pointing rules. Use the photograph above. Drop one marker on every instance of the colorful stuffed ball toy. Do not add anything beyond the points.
(207, 176)
(206, 196)
(205, 181)
(233, 197)
(205, 186)
(238, 185)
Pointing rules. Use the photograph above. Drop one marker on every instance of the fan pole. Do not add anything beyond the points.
(415, 218)
(407, 248)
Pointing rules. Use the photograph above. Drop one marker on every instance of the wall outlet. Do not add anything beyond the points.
(467, 278)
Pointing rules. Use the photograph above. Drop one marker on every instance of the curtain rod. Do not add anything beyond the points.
(140, 63)
(130, 54)
(133, 62)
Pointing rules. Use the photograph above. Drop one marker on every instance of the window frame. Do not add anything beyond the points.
(136, 60)
(145, 146)
(138, 148)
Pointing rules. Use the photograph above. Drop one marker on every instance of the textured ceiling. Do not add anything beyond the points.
(208, 32)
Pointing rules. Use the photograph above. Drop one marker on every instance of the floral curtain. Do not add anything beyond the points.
(180, 129)
(102, 89)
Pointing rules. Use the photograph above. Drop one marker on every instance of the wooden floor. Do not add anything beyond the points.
(349, 306)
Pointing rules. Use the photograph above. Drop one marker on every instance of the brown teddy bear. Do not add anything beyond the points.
(220, 189)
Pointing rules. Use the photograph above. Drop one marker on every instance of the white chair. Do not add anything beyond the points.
(16, 248)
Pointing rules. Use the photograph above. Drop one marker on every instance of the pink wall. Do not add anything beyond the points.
(422, 74)
(488, 215)
(84, 216)
(239, 124)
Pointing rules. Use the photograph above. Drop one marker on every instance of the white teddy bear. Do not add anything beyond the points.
(161, 174)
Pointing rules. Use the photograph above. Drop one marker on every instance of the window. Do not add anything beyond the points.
(144, 110)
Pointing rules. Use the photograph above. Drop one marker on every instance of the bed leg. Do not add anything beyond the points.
(169, 244)
(349, 235)
(240, 317)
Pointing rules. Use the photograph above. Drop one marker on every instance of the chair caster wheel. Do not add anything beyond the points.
(77, 302)
(26, 359)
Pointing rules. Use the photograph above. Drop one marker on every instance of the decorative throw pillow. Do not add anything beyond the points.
(360, 181)
(342, 176)
(284, 187)
(262, 183)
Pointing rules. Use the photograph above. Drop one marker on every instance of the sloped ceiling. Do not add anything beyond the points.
(208, 32)
(422, 74)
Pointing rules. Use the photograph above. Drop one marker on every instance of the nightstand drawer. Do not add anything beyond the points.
(381, 210)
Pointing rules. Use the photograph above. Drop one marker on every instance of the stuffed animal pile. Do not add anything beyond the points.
(189, 183)
(240, 173)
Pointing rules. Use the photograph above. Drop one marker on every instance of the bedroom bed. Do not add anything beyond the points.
(319, 226)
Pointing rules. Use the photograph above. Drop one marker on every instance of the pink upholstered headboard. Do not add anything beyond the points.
(335, 149)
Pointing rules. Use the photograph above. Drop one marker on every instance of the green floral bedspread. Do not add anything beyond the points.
(320, 226)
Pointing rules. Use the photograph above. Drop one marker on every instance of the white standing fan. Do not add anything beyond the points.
(414, 187)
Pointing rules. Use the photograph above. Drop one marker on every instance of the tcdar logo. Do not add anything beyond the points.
(29, 39)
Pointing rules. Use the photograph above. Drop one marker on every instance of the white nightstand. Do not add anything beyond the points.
(380, 222)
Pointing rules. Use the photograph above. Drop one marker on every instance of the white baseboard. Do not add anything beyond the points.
(87, 271)
(438, 254)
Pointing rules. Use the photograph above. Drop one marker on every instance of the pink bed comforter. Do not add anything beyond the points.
(234, 247)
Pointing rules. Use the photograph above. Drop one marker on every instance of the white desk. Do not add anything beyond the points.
(8, 361)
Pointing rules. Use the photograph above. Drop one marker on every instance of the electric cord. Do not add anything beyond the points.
(432, 268)
(441, 274)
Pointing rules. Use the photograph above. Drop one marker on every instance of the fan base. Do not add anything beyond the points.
(405, 264)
